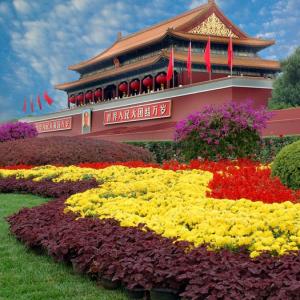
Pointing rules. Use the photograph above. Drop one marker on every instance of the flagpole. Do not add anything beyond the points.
(191, 75)
(173, 67)
(210, 59)
(231, 64)
(231, 54)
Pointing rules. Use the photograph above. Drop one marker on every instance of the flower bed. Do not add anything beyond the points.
(204, 228)
(141, 258)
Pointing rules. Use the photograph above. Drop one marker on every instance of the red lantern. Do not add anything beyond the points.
(148, 82)
(72, 99)
(135, 85)
(123, 87)
(89, 95)
(161, 79)
(98, 93)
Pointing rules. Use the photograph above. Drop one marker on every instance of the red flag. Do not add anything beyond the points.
(31, 105)
(171, 65)
(39, 102)
(25, 105)
(230, 54)
(189, 61)
(47, 98)
(207, 56)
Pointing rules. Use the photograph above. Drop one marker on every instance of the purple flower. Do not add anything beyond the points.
(17, 130)
(220, 120)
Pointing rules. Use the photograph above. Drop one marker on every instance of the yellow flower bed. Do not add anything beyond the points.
(174, 204)
(56, 174)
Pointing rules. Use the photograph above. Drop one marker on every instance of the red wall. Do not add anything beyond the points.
(198, 77)
(283, 122)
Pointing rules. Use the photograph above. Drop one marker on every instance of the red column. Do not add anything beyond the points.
(153, 83)
(140, 91)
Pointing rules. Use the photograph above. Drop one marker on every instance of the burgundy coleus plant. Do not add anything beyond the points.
(144, 259)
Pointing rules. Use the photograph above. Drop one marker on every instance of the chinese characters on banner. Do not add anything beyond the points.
(54, 125)
(151, 111)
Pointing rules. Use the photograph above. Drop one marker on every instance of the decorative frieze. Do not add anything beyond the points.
(213, 26)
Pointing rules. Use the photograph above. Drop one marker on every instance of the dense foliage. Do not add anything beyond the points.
(287, 165)
(16, 131)
(162, 150)
(45, 188)
(67, 150)
(266, 152)
(228, 131)
(271, 146)
(286, 91)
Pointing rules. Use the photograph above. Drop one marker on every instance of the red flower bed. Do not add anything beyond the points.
(251, 183)
(231, 180)
(18, 167)
(129, 164)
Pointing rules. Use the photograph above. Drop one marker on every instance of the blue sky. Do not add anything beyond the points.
(39, 39)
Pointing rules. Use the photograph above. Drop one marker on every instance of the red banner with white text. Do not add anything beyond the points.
(143, 112)
(54, 125)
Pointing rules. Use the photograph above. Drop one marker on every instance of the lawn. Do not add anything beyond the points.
(26, 275)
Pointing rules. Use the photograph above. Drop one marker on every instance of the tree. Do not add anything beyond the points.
(286, 89)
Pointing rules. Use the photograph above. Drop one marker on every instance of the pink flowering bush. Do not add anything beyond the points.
(16, 131)
(228, 131)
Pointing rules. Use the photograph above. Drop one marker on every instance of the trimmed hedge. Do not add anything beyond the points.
(170, 150)
(286, 165)
(68, 151)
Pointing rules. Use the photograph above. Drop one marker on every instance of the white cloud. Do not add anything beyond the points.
(283, 17)
(22, 6)
(4, 9)
(220, 3)
(71, 31)
(195, 3)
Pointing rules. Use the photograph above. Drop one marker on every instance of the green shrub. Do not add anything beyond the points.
(265, 153)
(271, 146)
(287, 165)
(162, 150)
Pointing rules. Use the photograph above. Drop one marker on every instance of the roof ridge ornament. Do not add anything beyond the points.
(213, 26)
(119, 36)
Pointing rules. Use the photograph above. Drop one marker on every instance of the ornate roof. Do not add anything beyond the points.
(196, 24)
(253, 42)
(112, 72)
(255, 63)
